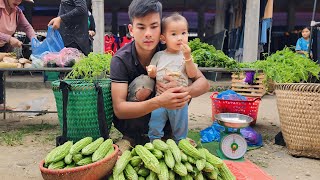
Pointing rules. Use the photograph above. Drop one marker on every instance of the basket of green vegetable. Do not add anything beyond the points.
(84, 102)
(85, 159)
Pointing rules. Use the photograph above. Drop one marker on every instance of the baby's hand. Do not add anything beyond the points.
(186, 50)
(152, 71)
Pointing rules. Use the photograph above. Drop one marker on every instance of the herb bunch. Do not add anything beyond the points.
(206, 55)
(92, 67)
(286, 66)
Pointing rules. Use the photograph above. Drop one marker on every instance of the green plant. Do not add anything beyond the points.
(206, 55)
(286, 66)
(15, 137)
(12, 138)
(94, 66)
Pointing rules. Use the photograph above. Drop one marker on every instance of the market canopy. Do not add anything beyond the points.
(279, 6)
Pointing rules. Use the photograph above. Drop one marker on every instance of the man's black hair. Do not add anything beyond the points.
(141, 8)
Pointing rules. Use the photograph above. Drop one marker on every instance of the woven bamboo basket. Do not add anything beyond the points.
(93, 171)
(299, 111)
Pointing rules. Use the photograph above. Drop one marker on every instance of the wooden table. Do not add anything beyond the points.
(6, 70)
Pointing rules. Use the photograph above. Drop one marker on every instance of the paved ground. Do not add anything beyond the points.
(20, 160)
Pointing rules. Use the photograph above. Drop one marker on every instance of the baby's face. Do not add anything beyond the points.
(176, 34)
(305, 33)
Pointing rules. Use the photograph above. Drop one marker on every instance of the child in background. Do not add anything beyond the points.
(175, 61)
(302, 45)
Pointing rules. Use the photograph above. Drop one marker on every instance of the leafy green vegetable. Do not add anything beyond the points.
(206, 55)
(94, 66)
(286, 66)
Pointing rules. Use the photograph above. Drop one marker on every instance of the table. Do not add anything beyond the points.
(5, 70)
(202, 69)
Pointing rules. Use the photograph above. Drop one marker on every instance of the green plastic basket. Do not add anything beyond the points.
(82, 115)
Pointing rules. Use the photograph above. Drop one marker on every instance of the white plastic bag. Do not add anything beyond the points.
(36, 62)
(38, 104)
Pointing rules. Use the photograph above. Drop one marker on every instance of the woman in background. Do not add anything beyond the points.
(11, 20)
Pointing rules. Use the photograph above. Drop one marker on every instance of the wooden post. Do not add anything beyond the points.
(201, 23)
(251, 31)
(114, 21)
(291, 15)
(220, 16)
(98, 15)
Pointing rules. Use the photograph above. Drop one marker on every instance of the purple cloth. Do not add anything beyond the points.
(250, 77)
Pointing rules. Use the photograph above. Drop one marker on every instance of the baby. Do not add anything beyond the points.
(175, 61)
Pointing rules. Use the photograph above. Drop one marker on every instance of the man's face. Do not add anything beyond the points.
(146, 32)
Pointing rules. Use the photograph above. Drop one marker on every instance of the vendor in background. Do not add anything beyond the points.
(302, 45)
(72, 22)
(11, 20)
(91, 25)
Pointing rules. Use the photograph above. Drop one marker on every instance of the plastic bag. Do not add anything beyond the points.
(253, 138)
(36, 62)
(52, 57)
(32, 105)
(231, 95)
(211, 133)
(68, 57)
(52, 43)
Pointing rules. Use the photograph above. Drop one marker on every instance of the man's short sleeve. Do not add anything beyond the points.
(118, 70)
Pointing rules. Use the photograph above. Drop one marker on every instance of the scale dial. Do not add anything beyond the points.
(233, 146)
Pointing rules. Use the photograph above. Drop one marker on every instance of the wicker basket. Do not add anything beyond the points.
(93, 171)
(299, 111)
(82, 115)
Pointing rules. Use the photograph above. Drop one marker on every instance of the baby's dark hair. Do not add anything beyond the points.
(173, 17)
(141, 8)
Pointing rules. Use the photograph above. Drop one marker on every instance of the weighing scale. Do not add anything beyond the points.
(232, 145)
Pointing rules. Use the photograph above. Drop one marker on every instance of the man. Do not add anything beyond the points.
(132, 89)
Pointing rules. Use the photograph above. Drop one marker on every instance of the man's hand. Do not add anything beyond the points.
(186, 50)
(162, 87)
(14, 42)
(174, 98)
(55, 22)
(152, 71)
(91, 33)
